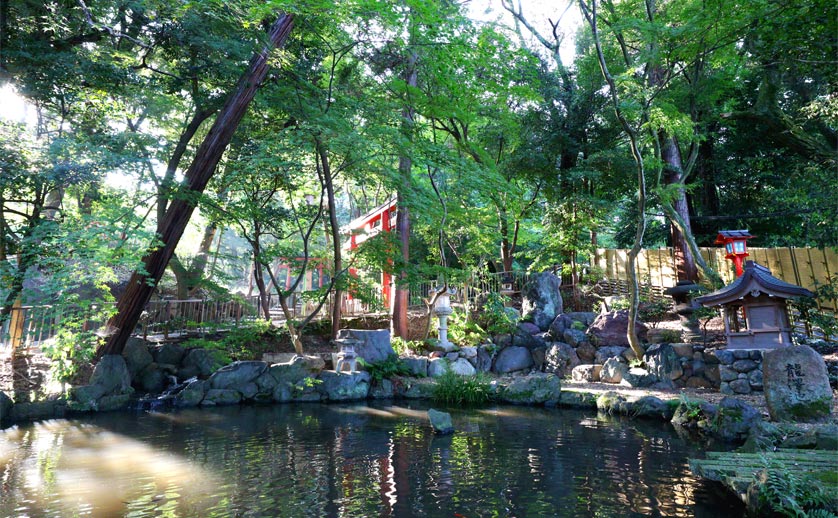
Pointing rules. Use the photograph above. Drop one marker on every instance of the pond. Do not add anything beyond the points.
(362, 460)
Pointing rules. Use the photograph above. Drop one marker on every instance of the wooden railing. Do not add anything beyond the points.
(30, 326)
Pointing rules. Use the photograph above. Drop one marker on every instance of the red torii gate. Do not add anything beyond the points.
(379, 219)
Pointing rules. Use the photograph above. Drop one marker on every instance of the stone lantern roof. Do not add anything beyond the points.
(756, 280)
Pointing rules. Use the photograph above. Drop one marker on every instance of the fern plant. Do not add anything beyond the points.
(788, 494)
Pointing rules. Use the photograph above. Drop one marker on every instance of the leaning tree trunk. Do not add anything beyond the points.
(142, 283)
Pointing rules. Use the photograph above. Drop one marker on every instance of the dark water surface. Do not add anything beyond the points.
(378, 460)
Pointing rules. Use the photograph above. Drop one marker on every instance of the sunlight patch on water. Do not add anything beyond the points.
(57, 463)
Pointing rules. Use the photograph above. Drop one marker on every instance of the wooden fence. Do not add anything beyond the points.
(807, 267)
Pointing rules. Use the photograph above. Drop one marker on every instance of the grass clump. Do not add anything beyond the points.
(453, 389)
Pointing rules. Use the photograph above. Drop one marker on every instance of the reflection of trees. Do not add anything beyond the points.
(315, 460)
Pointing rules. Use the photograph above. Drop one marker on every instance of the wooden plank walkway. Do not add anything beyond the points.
(739, 470)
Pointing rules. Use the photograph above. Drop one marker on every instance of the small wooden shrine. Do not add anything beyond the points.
(754, 309)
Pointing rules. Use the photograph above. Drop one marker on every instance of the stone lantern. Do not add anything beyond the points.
(442, 309)
(736, 246)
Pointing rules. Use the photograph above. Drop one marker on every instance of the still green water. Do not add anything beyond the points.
(377, 460)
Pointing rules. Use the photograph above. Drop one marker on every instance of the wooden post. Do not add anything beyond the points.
(16, 325)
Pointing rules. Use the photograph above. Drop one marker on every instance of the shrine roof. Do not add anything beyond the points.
(755, 279)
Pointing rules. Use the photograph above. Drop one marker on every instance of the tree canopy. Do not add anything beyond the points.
(502, 156)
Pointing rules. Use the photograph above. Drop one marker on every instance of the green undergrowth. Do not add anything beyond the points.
(453, 389)
(246, 342)
(787, 493)
(392, 366)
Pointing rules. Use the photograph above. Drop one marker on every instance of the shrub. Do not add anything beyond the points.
(405, 347)
(71, 349)
(495, 317)
(812, 315)
(453, 389)
(653, 311)
(246, 342)
(392, 366)
(464, 332)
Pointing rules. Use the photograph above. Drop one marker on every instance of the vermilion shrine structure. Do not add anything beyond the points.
(380, 219)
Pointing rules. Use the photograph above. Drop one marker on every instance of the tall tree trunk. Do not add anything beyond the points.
(400, 299)
(706, 174)
(328, 183)
(505, 245)
(259, 279)
(143, 283)
(685, 267)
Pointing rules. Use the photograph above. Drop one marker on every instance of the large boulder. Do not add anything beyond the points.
(169, 353)
(542, 300)
(221, 397)
(344, 386)
(604, 353)
(651, 406)
(610, 329)
(152, 379)
(111, 375)
(293, 380)
(586, 373)
(796, 384)
(463, 367)
(299, 368)
(559, 325)
(136, 355)
(414, 388)
(374, 344)
(523, 338)
(638, 378)
(575, 337)
(201, 361)
(512, 359)
(586, 352)
(192, 394)
(237, 374)
(662, 361)
(110, 378)
(560, 359)
(732, 420)
(483, 361)
(265, 385)
(535, 389)
(613, 371)
(383, 390)
(437, 367)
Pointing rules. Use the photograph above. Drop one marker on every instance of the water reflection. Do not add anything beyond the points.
(349, 460)
(57, 465)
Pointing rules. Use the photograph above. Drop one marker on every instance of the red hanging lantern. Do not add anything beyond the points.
(735, 242)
